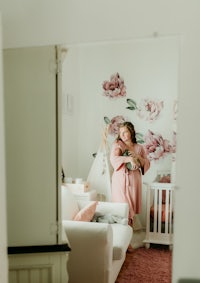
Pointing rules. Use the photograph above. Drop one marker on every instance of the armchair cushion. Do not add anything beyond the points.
(119, 210)
(109, 218)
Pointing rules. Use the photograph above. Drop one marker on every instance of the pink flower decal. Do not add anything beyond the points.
(114, 123)
(149, 110)
(174, 142)
(155, 146)
(175, 109)
(114, 88)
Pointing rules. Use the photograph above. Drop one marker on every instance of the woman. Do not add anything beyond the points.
(129, 162)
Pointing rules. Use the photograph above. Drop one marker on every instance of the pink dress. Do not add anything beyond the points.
(127, 184)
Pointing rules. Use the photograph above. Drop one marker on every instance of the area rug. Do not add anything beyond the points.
(143, 265)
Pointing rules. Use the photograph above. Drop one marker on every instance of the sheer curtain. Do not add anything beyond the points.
(100, 173)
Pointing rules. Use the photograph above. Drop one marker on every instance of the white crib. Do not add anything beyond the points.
(159, 214)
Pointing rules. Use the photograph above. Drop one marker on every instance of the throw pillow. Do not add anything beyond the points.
(86, 214)
(165, 179)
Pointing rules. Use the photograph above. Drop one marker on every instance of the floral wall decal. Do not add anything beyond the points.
(147, 109)
(115, 87)
(174, 146)
(132, 104)
(175, 109)
(122, 86)
(139, 138)
(113, 127)
(114, 124)
(174, 142)
(156, 146)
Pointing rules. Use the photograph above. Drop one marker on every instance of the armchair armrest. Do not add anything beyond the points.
(89, 241)
(88, 232)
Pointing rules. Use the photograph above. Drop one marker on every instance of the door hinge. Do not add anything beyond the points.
(55, 66)
(58, 66)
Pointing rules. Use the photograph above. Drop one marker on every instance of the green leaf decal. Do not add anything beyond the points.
(94, 154)
(139, 138)
(130, 108)
(107, 120)
(140, 141)
(132, 104)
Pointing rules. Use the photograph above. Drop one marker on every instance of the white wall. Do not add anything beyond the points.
(30, 23)
(33, 23)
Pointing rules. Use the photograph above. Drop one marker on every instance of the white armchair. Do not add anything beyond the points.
(98, 250)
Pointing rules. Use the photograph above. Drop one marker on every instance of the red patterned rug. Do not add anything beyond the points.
(143, 265)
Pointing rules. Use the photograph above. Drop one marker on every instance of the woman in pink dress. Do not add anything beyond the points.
(129, 162)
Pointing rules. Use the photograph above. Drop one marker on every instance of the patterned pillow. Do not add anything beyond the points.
(86, 214)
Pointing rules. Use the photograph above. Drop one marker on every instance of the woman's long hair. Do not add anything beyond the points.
(131, 129)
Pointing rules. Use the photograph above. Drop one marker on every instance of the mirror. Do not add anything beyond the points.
(149, 70)
(146, 71)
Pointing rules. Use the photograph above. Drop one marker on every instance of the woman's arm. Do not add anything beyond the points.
(117, 158)
(144, 161)
(140, 160)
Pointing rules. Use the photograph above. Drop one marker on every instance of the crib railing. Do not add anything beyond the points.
(159, 214)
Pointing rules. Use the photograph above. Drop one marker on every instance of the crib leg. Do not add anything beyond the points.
(170, 247)
(147, 245)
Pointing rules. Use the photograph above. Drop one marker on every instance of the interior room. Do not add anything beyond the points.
(154, 47)
(139, 60)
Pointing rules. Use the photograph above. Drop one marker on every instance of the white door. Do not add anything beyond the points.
(3, 239)
(32, 145)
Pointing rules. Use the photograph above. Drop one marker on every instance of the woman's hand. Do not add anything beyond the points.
(134, 162)
(140, 160)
